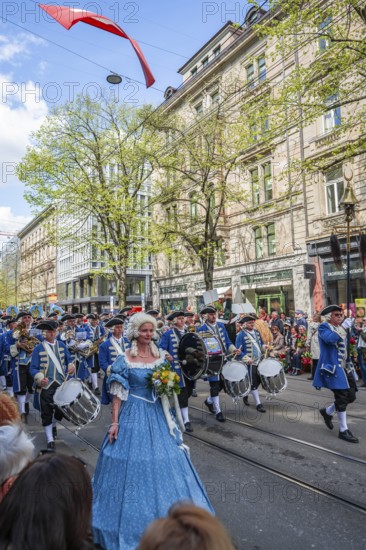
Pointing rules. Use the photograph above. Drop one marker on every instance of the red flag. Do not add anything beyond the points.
(67, 17)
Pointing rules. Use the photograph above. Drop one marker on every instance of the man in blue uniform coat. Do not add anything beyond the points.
(51, 362)
(218, 330)
(115, 345)
(170, 342)
(251, 345)
(332, 371)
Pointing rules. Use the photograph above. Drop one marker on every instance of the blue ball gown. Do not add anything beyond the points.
(147, 469)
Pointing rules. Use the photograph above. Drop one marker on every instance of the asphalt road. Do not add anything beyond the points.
(269, 476)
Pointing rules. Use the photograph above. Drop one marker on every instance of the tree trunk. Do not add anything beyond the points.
(208, 268)
(122, 286)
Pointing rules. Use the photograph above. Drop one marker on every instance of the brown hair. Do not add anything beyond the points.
(54, 490)
(9, 412)
(187, 527)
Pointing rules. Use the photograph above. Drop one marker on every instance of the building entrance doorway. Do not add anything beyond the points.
(270, 302)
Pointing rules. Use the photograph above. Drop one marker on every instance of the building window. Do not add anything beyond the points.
(215, 98)
(199, 108)
(258, 243)
(193, 207)
(194, 71)
(267, 182)
(332, 117)
(271, 239)
(217, 51)
(334, 189)
(250, 76)
(261, 68)
(324, 42)
(205, 62)
(254, 183)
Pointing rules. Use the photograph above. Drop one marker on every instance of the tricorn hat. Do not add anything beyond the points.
(48, 325)
(330, 309)
(67, 317)
(174, 315)
(113, 322)
(21, 314)
(247, 318)
(208, 309)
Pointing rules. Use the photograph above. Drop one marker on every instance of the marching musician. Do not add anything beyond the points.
(3, 362)
(218, 330)
(115, 345)
(251, 344)
(83, 337)
(170, 342)
(333, 372)
(10, 324)
(98, 333)
(51, 363)
(21, 354)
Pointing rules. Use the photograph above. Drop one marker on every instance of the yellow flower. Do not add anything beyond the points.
(156, 375)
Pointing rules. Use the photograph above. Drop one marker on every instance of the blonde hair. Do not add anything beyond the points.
(187, 527)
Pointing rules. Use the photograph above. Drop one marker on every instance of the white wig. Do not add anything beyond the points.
(133, 331)
(16, 451)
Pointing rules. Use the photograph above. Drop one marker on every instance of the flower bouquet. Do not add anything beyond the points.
(164, 380)
(282, 357)
(306, 361)
(165, 383)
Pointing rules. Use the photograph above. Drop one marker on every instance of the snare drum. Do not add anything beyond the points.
(77, 403)
(272, 376)
(200, 354)
(236, 379)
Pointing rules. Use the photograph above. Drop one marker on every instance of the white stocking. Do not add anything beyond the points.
(21, 403)
(185, 415)
(342, 421)
(216, 404)
(255, 394)
(48, 430)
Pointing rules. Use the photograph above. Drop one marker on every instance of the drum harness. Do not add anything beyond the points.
(54, 359)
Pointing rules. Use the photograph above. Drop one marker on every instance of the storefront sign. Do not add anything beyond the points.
(173, 289)
(309, 271)
(218, 283)
(273, 276)
(355, 273)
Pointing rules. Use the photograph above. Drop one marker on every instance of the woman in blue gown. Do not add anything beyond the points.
(143, 466)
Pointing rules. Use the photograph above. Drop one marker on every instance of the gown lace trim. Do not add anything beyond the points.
(141, 365)
(118, 390)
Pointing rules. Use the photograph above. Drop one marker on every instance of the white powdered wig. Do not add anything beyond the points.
(133, 331)
(16, 451)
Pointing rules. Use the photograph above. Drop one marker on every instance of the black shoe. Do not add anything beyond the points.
(260, 408)
(210, 407)
(194, 393)
(90, 385)
(246, 401)
(311, 378)
(97, 391)
(188, 427)
(220, 417)
(327, 418)
(51, 446)
(54, 432)
(295, 373)
(348, 436)
(26, 409)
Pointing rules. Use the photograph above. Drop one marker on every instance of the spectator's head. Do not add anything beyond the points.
(316, 318)
(274, 314)
(50, 503)
(9, 412)
(275, 330)
(301, 329)
(16, 451)
(187, 527)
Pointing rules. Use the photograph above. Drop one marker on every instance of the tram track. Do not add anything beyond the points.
(290, 438)
(282, 475)
(303, 485)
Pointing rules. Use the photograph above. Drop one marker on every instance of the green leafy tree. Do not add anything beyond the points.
(196, 182)
(322, 49)
(92, 161)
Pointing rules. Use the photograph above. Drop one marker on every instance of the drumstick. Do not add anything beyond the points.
(231, 354)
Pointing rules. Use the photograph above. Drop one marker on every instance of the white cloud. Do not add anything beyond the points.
(14, 46)
(22, 111)
(11, 223)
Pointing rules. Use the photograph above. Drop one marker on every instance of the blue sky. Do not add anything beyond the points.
(36, 74)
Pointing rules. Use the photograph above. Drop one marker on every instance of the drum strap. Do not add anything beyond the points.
(53, 358)
(178, 334)
(255, 343)
(116, 346)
